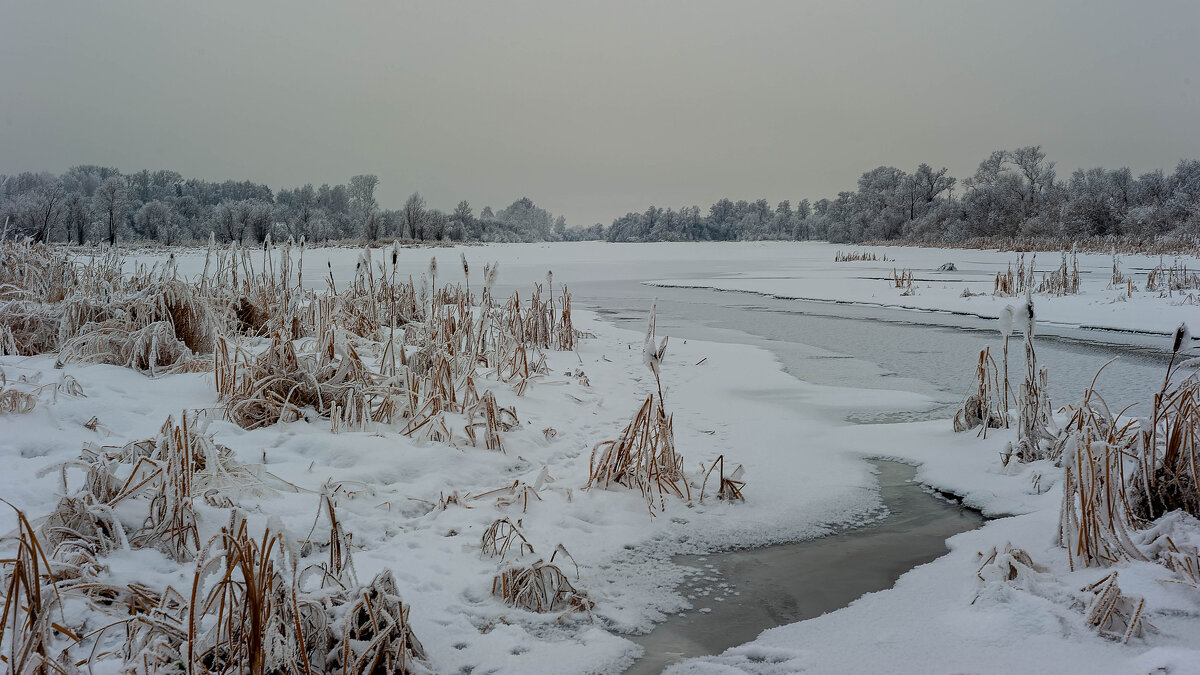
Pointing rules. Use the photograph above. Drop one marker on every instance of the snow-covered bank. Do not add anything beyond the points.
(969, 611)
(725, 399)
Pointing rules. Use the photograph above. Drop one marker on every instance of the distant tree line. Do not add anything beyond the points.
(102, 204)
(1013, 193)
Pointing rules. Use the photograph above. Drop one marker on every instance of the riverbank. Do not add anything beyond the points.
(420, 507)
(981, 607)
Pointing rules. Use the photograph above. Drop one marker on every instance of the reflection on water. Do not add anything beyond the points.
(739, 594)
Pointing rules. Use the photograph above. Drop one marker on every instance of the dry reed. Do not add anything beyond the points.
(501, 536)
(729, 487)
(858, 256)
(540, 587)
(986, 406)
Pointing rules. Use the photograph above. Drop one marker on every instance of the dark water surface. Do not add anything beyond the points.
(738, 594)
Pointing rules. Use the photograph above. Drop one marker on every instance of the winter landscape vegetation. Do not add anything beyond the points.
(922, 423)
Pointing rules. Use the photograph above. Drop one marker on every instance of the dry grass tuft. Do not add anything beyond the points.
(1114, 615)
(643, 457)
(279, 385)
(377, 636)
(500, 537)
(15, 401)
(1095, 521)
(730, 487)
(1012, 283)
(253, 630)
(540, 587)
(31, 599)
(1034, 415)
(245, 616)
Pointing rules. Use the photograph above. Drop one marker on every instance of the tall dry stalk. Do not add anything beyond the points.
(31, 601)
(1033, 401)
(984, 407)
(1167, 476)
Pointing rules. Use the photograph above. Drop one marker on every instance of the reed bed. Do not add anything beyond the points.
(1130, 488)
(1172, 279)
(1012, 283)
(1126, 244)
(378, 352)
(1064, 280)
(381, 350)
(250, 608)
(859, 256)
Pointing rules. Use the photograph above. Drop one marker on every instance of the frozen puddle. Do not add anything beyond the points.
(739, 594)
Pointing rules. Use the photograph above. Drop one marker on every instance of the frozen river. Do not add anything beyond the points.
(879, 348)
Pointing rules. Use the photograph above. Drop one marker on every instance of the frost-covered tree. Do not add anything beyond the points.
(414, 216)
(111, 203)
(528, 221)
(77, 216)
(363, 205)
(152, 220)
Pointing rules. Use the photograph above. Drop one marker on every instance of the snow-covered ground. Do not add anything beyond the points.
(807, 270)
(968, 289)
(804, 471)
(957, 614)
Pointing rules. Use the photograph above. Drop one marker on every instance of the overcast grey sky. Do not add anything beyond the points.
(593, 109)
